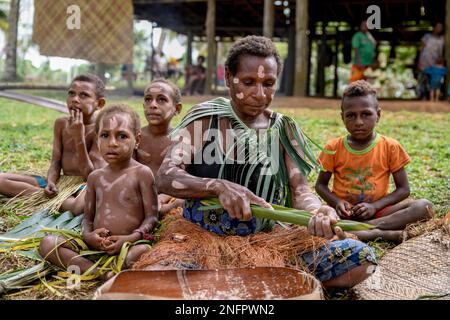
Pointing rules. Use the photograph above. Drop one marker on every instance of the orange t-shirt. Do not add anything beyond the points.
(363, 176)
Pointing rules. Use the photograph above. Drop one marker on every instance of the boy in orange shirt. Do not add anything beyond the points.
(361, 167)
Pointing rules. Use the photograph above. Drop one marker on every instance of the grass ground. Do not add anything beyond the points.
(26, 142)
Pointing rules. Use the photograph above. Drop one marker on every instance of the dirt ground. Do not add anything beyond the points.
(325, 103)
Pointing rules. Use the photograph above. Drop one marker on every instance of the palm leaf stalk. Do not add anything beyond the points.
(288, 215)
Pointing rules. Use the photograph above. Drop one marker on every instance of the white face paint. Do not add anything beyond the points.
(170, 170)
(294, 172)
(240, 95)
(155, 90)
(261, 73)
(271, 96)
(235, 80)
(178, 185)
(113, 122)
(209, 184)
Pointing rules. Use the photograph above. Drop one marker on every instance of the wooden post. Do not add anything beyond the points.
(268, 18)
(336, 63)
(100, 69)
(190, 37)
(321, 56)
(301, 47)
(130, 79)
(447, 41)
(210, 36)
(289, 67)
(308, 63)
(11, 44)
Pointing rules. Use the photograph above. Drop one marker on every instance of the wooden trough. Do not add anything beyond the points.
(261, 283)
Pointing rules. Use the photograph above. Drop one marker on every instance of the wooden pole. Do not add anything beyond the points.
(321, 56)
(268, 20)
(11, 45)
(130, 79)
(289, 68)
(210, 36)
(447, 40)
(336, 64)
(301, 47)
(190, 38)
(100, 69)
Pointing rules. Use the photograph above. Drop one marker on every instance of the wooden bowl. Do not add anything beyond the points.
(261, 283)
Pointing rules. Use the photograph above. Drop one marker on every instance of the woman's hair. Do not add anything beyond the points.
(252, 46)
(176, 94)
(119, 108)
(360, 88)
(91, 78)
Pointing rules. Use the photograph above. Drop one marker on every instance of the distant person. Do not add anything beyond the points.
(159, 66)
(361, 168)
(448, 92)
(436, 73)
(173, 69)
(432, 48)
(127, 72)
(220, 75)
(364, 52)
(195, 83)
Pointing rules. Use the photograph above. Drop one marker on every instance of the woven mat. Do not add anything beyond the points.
(417, 269)
(105, 31)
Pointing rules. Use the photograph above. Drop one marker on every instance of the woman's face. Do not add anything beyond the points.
(253, 86)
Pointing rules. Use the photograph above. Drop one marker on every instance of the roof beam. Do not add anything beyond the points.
(165, 1)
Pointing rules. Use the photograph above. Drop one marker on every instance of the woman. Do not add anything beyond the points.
(216, 158)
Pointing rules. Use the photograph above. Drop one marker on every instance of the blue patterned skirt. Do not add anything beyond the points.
(328, 262)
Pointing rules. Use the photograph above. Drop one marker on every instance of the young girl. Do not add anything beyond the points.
(121, 200)
(162, 101)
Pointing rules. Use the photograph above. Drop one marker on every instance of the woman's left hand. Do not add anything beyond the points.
(320, 223)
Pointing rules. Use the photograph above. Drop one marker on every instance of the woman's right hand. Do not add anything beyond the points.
(236, 200)
(321, 222)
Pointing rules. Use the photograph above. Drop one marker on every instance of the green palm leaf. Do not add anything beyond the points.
(289, 215)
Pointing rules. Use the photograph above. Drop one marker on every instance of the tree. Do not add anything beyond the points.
(11, 46)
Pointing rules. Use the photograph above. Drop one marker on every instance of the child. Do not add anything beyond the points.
(162, 101)
(361, 167)
(74, 147)
(121, 198)
(436, 73)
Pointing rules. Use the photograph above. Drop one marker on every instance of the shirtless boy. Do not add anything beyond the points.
(121, 199)
(74, 150)
(162, 101)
